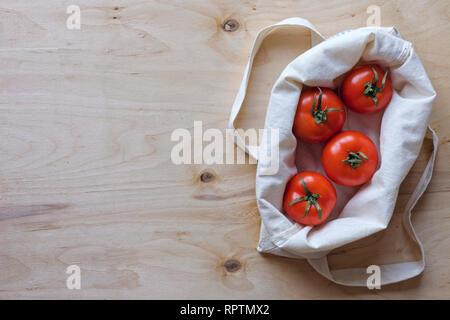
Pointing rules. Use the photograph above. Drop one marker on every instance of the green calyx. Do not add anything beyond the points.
(320, 115)
(370, 88)
(354, 159)
(310, 197)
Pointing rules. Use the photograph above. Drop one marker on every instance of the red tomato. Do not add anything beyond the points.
(366, 89)
(320, 115)
(350, 158)
(309, 198)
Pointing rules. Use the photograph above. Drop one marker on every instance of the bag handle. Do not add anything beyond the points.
(316, 37)
(390, 273)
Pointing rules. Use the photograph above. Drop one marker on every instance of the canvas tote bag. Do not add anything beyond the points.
(397, 131)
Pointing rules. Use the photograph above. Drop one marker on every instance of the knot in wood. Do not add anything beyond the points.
(230, 25)
(206, 177)
(232, 265)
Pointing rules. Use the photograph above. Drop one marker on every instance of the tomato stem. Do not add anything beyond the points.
(354, 159)
(370, 88)
(310, 197)
(319, 115)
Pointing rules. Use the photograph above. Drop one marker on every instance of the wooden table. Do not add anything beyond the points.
(85, 171)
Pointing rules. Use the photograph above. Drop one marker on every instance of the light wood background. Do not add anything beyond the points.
(85, 170)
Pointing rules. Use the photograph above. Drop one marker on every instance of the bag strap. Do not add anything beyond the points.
(316, 37)
(390, 273)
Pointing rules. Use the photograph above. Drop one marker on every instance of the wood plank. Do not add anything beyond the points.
(85, 170)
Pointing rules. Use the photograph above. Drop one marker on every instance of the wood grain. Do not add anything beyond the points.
(85, 170)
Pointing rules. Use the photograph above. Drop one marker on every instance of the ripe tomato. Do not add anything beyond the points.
(366, 89)
(350, 158)
(309, 198)
(318, 118)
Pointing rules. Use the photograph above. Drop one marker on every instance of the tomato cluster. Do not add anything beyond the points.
(349, 158)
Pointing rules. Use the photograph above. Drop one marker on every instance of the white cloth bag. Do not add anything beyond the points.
(397, 131)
